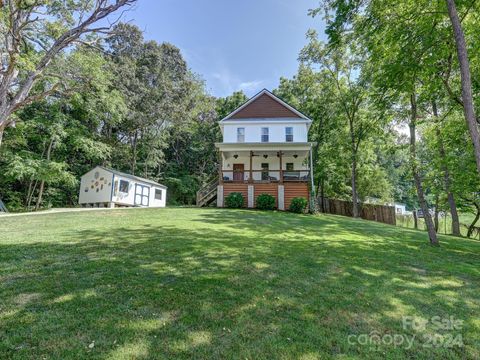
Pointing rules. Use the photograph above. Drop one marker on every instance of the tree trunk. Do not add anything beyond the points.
(471, 228)
(453, 212)
(446, 176)
(40, 195)
(134, 152)
(354, 184)
(416, 175)
(466, 80)
(322, 195)
(415, 220)
(30, 197)
(435, 215)
(29, 190)
(42, 183)
(2, 129)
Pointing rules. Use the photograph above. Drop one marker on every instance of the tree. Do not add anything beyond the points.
(397, 44)
(466, 81)
(442, 156)
(343, 67)
(230, 103)
(32, 41)
(416, 173)
(59, 139)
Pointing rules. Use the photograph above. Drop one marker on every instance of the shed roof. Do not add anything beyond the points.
(133, 177)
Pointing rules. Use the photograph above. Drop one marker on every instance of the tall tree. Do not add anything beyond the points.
(343, 67)
(466, 80)
(446, 173)
(397, 42)
(33, 34)
(416, 172)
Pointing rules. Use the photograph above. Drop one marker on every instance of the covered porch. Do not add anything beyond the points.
(264, 163)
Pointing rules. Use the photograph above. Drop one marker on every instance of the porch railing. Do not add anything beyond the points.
(262, 176)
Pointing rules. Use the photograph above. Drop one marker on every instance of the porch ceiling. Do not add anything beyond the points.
(272, 154)
(264, 147)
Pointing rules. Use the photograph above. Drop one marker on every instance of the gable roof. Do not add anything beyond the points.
(265, 105)
(133, 177)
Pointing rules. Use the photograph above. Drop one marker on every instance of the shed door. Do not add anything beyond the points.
(142, 195)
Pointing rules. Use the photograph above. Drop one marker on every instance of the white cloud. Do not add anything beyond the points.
(229, 82)
(251, 85)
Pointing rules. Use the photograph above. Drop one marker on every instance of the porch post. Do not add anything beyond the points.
(220, 166)
(313, 200)
(220, 180)
(250, 178)
(281, 169)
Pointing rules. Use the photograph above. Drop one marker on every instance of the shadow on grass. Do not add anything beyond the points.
(240, 284)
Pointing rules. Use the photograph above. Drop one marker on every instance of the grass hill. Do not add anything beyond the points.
(227, 284)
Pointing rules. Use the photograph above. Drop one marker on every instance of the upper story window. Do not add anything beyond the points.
(264, 134)
(240, 134)
(289, 134)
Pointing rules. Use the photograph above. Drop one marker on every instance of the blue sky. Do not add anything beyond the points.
(232, 44)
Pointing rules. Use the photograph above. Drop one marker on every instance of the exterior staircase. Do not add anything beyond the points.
(208, 193)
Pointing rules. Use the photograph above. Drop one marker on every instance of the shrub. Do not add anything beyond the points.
(234, 200)
(265, 202)
(298, 205)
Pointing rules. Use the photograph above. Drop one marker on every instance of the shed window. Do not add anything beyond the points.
(158, 194)
(124, 186)
(289, 134)
(289, 166)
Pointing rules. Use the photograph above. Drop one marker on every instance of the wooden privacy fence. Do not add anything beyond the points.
(380, 213)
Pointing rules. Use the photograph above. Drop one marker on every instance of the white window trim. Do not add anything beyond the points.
(287, 134)
(240, 135)
(262, 134)
(119, 186)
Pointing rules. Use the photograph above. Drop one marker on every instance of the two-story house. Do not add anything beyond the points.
(265, 149)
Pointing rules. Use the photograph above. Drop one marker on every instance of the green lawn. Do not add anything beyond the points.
(230, 284)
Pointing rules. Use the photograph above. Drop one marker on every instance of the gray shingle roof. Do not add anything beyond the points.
(133, 177)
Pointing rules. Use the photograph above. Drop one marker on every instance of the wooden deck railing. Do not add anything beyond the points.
(270, 175)
(207, 192)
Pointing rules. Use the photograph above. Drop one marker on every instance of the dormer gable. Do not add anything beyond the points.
(265, 105)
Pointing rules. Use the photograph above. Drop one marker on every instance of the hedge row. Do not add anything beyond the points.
(236, 200)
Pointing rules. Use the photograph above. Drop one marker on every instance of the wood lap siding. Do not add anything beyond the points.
(294, 190)
(264, 107)
(241, 188)
(271, 189)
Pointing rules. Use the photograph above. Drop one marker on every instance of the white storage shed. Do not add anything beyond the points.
(102, 187)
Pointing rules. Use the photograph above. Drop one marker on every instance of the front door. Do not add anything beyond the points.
(142, 195)
(238, 172)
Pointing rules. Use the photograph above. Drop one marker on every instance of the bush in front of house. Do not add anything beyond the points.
(234, 200)
(298, 205)
(265, 202)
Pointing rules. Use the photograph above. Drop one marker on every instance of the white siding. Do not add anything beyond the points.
(122, 197)
(129, 198)
(103, 186)
(253, 131)
(158, 203)
(95, 186)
